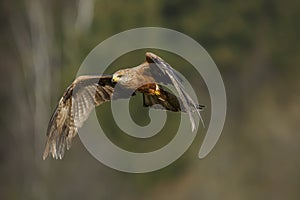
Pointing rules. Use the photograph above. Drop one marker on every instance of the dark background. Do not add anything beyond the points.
(255, 44)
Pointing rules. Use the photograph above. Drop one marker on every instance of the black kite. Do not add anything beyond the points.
(86, 92)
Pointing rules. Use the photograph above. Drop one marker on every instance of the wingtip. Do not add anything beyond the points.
(193, 127)
(201, 119)
(46, 151)
(45, 155)
(201, 107)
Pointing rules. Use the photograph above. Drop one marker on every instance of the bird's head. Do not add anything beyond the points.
(120, 76)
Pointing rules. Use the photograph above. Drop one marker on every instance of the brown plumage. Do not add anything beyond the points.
(86, 92)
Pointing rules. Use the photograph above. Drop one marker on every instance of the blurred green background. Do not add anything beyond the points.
(255, 44)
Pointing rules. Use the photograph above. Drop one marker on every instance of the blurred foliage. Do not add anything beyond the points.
(255, 44)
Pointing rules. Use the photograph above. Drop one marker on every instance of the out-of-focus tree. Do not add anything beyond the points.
(256, 47)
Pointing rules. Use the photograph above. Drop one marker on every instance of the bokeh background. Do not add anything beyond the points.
(255, 44)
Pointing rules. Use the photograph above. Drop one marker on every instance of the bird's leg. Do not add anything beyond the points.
(152, 89)
(158, 93)
(157, 90)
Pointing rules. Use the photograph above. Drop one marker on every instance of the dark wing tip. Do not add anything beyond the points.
(201, 107)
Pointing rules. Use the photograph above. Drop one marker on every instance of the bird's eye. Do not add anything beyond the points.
(120, 75)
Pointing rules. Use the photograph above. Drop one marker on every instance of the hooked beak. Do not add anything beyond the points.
(115, 79)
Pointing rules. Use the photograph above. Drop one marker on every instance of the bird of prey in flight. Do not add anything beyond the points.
(86, 92)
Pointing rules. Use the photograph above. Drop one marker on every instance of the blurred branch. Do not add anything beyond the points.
(32, 33)
(85, 15)
(40, 34)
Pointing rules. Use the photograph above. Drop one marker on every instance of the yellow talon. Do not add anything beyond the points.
(157, 92)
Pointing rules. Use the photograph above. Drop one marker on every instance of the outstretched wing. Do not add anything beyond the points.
(167, 74)
(73, 109)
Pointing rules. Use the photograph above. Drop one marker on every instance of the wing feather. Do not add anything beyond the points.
(170, 74)
(73, 109)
